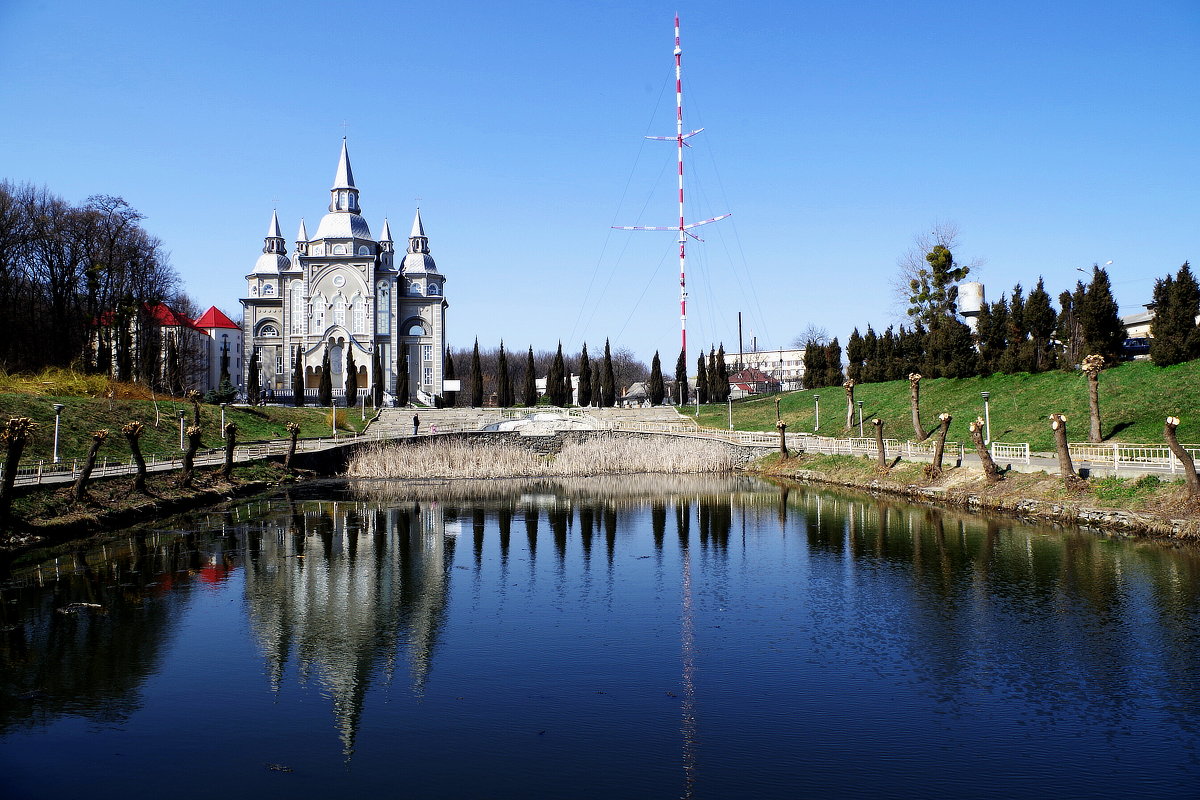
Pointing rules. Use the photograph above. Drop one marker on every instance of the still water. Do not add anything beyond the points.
(709, 637)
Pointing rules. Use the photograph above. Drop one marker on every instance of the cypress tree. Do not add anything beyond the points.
(814, 364)
(701, 380)
(657, 390)
(554, 379)
(376, 379)
(871, 369)
(530, 394)
(585, 378)
(597, 385)
(1068, 328)
(252, 379)
(722, 373)
(681, 381)
(298, 377)
(504, 383)
(1039, 321)
(1099, 322)
(476, 378)
(1017, 354)
(451, 396)
(1176, 304)
(325, 390)
(833, 364)
(714, 389)
(951, 351)
(608, 383)
(854, 357)
(351, 378)
(402, 379)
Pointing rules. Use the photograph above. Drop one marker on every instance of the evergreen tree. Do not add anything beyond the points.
(714, 382)
(503, 383)
(554, 379)
(814, 364)
(854, 357)
(1176, 303)
(1067, 329)
(325, 389)
(476, 378)
(608, 383)
(833, 364)
(888, 362)
(934, 292)
(871, 369)
(722, 373)
(173, 377)
(951, 351)
(991, 332)
(701, 380)
(585, 378)
(225, 377)
(1018, 355)
(657, 389)
(298, 377)
(451, 396)
(1039, 321)
(351, 378)
(377, 378)
(252, 380)
(681, 380)
(402, 379)
(567, 393)
(530, 395)
(1099, 322)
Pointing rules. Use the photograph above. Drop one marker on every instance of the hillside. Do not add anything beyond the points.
(1135, 398)
(92, 403)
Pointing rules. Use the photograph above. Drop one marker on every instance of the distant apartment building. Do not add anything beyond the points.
(785, 366)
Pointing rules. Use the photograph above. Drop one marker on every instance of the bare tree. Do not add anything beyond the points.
(934, 470)
(1058, 423)
(85, 474)
(812, 333)
(1185, 458)
(990, 471)
(1092, 366)
(880, 453)
(944, 233)
(914, 396)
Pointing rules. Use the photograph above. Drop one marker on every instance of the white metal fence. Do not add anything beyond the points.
(1009, 452)
(1133, 457)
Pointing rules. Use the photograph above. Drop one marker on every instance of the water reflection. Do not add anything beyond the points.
(356, 590)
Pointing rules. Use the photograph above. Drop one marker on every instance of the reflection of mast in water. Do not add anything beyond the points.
(687, 636)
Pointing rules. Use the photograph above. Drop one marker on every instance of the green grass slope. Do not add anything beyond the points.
(1135, 399)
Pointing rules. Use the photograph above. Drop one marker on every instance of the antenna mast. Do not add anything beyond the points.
(684, 228)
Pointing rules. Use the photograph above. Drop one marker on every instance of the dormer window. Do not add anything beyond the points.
(363, 250)
(339, 249)
(434, 289)
(268, 289)
(254, 291)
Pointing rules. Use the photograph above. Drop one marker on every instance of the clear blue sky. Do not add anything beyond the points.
(1054, 134)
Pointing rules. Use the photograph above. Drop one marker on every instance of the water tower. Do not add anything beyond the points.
(970, 303)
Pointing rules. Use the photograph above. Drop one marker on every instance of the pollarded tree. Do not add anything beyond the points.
(1176, 304)
(476, 378)
(529, 395)
(1092, 366)
(1099, 322)
(681, 380)
(657, 390)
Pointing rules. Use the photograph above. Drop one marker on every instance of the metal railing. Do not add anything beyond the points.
(1010, 451)
(1138, 457)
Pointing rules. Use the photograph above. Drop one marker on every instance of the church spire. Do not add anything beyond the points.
(385, 237)
(345, 193)
(418, 242)
(273, 243)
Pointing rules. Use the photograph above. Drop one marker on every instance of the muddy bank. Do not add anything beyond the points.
(1120, 506)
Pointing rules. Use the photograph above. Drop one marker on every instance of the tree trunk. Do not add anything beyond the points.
(1065, 468)
(85, 474)
(849, 387)
(1093, 379)
(294, 433)
(990, 471)
(880, 454)
(914, 396)
(230, 443)
(939, 449)
(782, 426)
(133, 434)
(189, 457)
(15, 434)
(1185, 458)
(194, 396)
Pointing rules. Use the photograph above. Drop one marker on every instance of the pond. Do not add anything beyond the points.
(707, 637)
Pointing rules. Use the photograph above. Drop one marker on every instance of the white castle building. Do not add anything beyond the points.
(343, 290)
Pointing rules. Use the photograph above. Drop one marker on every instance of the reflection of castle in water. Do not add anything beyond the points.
(342, 588)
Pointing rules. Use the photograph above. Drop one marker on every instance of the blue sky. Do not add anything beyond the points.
(1055, 135)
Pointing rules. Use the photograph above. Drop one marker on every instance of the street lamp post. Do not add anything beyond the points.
(182, 414)
(817, 412)
(333, 416)
(987, 417)
(730, 401)
(860, 431)
(223, 418)
(58, 409)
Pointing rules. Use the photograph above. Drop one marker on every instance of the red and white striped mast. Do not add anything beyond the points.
(684, 227)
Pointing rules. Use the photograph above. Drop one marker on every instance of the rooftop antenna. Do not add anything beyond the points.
(684, 228)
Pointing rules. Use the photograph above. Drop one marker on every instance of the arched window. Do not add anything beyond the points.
(318, 249)
(268, 331)
(414, 288)
(339, 249)
(383, 306)
(415, 329)
(254, 291)
(268, 289)
(360, 316)
(339, 310)
(316, 310)
(434, 289)
(363, 250)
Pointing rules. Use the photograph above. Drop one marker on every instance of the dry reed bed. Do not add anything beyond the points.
(459, 459)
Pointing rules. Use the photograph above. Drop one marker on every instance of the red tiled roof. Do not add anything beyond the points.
(160, 313)
(213, 318)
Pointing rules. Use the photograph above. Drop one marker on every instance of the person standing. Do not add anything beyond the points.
(416, 424)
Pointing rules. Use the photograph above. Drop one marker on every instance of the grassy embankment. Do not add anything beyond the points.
(1135, 398)
(93, 403)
